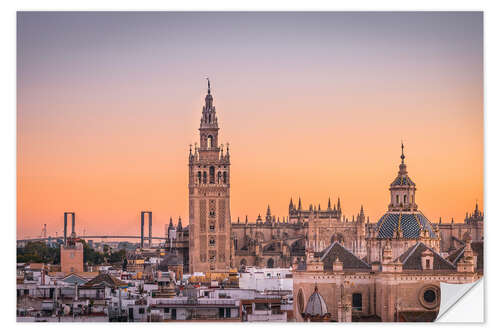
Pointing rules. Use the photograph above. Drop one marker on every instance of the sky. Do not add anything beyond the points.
(313, 105)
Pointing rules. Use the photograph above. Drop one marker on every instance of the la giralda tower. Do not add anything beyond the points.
(209, 215)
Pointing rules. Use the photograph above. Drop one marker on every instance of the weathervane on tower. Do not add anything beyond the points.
(402, 152)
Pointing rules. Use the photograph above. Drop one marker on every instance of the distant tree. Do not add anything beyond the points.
(91, 256)
(124, 264)
(38, 252)
(117, 256)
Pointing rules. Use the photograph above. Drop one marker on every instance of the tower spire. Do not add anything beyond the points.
(402, 153)
(208, 81)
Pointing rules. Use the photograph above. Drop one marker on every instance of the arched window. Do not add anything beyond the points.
(199, 177)
(210, 141)
(404, 199)
(357, 302)
(218, 177)
(212, 175)
(204, 177)
(270, 263)
(397, 199)
(224, 177)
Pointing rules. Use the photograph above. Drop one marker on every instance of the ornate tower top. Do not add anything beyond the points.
(208, 119)
(402, 148)
(402, 188)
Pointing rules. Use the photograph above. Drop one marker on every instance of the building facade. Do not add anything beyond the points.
(72, 256)
(399, 278)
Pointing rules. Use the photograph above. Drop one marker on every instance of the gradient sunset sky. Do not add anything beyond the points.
(313, 105)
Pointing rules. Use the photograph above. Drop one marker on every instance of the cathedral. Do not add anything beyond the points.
(213, 242)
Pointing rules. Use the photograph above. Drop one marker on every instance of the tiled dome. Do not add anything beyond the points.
(403, 180)
(411, 225)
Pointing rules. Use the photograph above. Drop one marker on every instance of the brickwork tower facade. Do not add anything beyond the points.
(209, 207)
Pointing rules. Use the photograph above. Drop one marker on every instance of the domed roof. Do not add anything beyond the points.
(316, 305)
(403, 180)
(410, 224)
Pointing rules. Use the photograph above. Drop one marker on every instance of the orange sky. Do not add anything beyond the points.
(104, 129)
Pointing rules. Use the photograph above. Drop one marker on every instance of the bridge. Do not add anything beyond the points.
(88, 237)
(142, 237)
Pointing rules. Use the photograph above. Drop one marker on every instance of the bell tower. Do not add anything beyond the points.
(209, 208)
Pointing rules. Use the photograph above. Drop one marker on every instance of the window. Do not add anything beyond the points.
(357, 302)
(228, 312)
(204, 177)
(210, 140)
(429, 296)
(174, 314)
(404, 198)
(221, 312)
(212, 226)
(131, 313)
(427, 264)
(141, 310)
(397, 199)
(212, 175)
(270, 263)
(218, 177)
(224, 177)
(199, 177)
(211, 241)
(213, 256)
(166, 310)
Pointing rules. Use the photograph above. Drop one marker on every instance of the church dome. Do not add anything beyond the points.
(316, 305)
(411, 225)
(402, 180)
